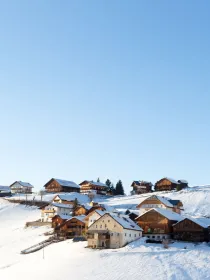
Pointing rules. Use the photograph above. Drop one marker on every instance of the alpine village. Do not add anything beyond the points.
(79, 212)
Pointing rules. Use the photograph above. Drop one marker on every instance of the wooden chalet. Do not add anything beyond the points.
(140, 187)
(155, 201)
(58, 220)
(190, 229)
(87, 187)
(81, 210)
(58, 185)
(72, 227)
(21, 187)
(157, 224)
(168, 184)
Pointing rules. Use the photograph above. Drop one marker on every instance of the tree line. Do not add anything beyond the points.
(114, 190)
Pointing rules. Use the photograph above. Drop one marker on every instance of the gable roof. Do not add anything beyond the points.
(142, 183)
(65, 183)
(122, 220)
(23, 184)
(196, 221)
(163, 200)
(63, 217)
(82, 199)
(169, 179)
(94, 183)
(62, 205)
(170, 215)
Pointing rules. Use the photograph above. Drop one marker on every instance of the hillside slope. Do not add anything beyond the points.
(196, 200)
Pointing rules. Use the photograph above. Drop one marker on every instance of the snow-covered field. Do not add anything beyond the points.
(67, 260)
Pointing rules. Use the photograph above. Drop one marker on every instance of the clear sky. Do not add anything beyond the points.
(110, 89)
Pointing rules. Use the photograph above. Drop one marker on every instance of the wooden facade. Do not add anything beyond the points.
(166, 184)
(71, 228)
(58, 185)
(87, 187)
(58, 220)
(189, 230)
(80, 210)
(140, 187)
(156, 225)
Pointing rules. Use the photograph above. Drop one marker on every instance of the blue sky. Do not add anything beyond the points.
(109, 89)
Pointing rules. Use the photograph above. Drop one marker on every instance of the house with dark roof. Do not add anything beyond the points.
(21, 187)
(112, 231)
(59, 185)
(140, 187)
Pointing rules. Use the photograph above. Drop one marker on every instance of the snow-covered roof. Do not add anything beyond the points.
(170, 215)
(172, 180)
(100, 212)
(125, 221)
(95, 183)
(62, 205)
(141, 183)
(4, 189)
(80, 218)
(66, 183)
(82, 199)
(183, 181)
(197, 221)
(64, 217)
(23, 184)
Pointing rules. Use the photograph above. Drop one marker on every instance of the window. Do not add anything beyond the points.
(111, 234)
(139, 234)
(125, 234)
(153, 236)
(118, 234)
(105, 225)
(135, 235)
(96, 226)
(130, 234)
(108, 221)
(91, 221)
(100, 226)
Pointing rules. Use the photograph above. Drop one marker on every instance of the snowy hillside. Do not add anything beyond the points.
(196, 200)
(67, 260)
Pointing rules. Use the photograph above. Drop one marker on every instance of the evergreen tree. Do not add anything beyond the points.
(98, 180)
(108, 183)
(119, 188)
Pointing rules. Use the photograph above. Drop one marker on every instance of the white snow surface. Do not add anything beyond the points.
(65, 260)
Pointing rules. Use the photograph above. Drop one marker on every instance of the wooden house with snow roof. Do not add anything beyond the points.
(73, 227)
(59, 185)
(156, 201)
(87, 187)
(191, 229)
(21, 187)
(112, 231)
(140, 187)
(157, 223)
